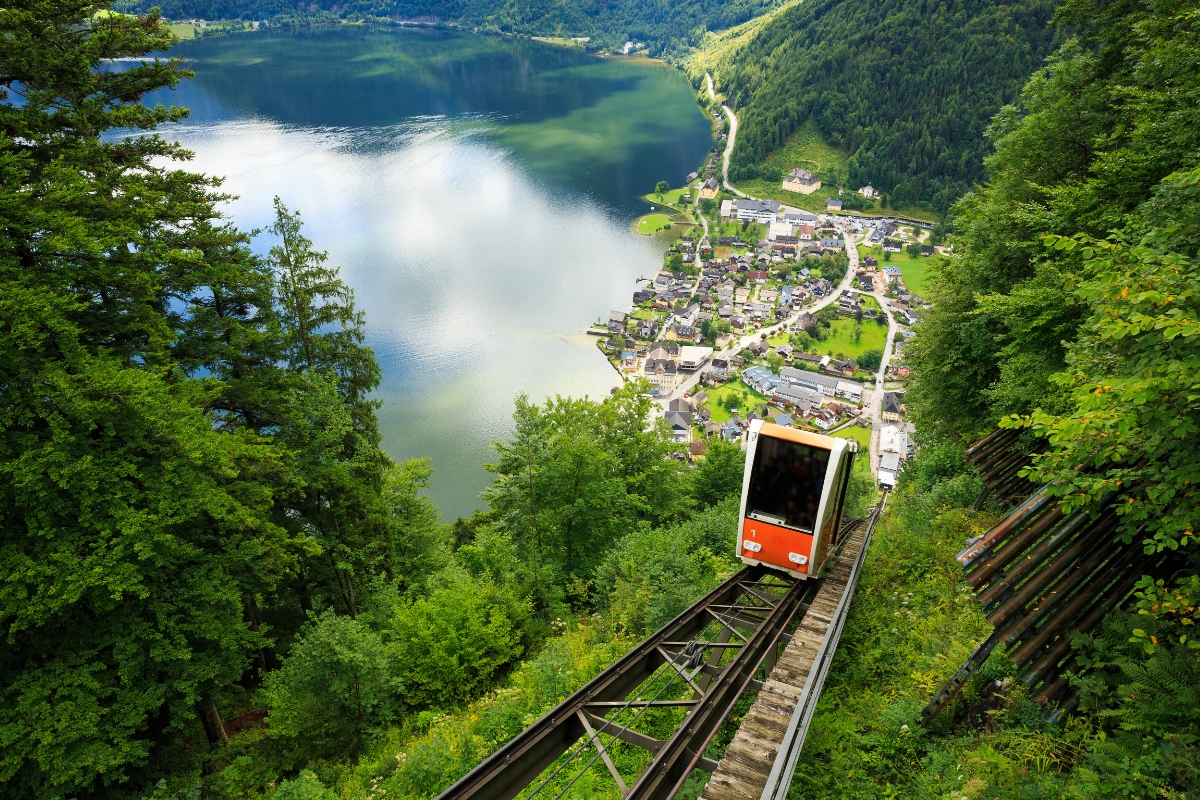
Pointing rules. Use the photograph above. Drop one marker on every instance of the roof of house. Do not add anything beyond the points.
(783, 419)
(833, 203)
(617, 316)
(802, 175)
(679, 420)
(758, 205)
(697, 447)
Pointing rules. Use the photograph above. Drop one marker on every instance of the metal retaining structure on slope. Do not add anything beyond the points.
(700, 663)
(1042, 575)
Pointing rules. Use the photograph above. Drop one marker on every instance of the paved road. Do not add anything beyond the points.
(733, 125)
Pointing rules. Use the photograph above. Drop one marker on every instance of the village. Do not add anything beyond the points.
(765, 311)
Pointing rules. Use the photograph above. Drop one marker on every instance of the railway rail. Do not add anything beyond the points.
(685, 678)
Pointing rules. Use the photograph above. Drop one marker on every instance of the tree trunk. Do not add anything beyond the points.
(214, 729)
(264, 658)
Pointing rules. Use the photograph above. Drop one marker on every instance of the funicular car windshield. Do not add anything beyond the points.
(786, 482)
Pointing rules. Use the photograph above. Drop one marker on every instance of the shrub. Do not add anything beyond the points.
(334, 688)
(447, 647)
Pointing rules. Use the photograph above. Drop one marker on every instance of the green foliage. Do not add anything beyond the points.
(653, 574)
(916, 134)
(305, 786)
(870, 359)
(662, 186)
(712, 328)
(335, 688)
(433, 750)
(135, 521)
(862, 489)
(576, 475)
(719, 474)
(1132, 383)
(446, 647)
(1084, 150)
(1150, 704)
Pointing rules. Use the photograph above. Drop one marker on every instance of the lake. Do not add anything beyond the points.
(477, 192)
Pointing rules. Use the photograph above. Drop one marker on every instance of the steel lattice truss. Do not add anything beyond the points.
(647, 719)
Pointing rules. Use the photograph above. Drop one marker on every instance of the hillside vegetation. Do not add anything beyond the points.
(215, 584)
(653, 26)
(905, 89)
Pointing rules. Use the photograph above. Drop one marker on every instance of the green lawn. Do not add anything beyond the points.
(747, 400)
(858, 434)
(841, 338)
(654, 223)
(915, 270)
(671, 198)
(752, 233)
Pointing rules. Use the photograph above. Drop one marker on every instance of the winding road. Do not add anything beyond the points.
(733, 125)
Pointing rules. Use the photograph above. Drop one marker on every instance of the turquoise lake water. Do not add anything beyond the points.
(477, 193)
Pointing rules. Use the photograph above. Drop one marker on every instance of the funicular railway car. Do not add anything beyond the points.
(793, 495)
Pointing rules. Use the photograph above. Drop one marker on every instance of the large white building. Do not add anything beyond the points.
(762, 211)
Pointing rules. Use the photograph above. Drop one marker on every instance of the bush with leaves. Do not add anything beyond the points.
(336, 687)
(655, 573)
(447, 647)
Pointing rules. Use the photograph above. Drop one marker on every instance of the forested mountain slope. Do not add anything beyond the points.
(907, 87)
(610, 24)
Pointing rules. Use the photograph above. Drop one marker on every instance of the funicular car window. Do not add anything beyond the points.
(786, 482)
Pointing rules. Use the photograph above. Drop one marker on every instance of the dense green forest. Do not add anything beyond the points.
(211, 576)
(655, 26)
(214, 583)
(906, 89)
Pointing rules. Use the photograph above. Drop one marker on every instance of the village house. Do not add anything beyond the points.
(709, 190)
(804, 233)
(831, 243)
(798, 217)
(870, 262)
(691, 357)
(893, 406)
(891, 273)
(833, 205)
(679, 420)
(760, 379)
(927, 250)
(892, 246)
(719, 368)
(824, 419)
(663, 374)
(616, 321)
(868, 192)
(801, 181)
(726, 210)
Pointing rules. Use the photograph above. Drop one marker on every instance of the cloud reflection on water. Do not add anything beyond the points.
(476, 280)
